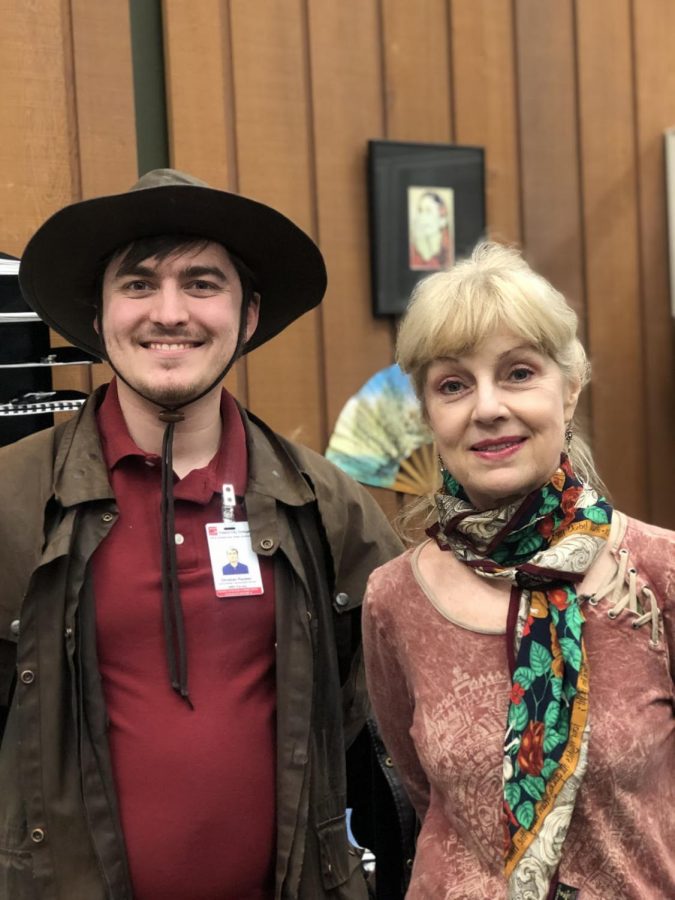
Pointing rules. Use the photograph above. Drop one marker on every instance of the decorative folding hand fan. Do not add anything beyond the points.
(380, 438)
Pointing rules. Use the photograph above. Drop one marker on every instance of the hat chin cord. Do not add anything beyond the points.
(172, 608)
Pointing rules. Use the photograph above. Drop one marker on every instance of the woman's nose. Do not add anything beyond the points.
(488, 403)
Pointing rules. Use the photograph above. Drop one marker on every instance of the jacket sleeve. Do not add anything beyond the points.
(390, 695)
(360, 539)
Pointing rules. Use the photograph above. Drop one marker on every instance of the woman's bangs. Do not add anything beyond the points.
(469, 323)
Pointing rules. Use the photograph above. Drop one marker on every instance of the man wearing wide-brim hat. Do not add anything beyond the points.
(172, 733)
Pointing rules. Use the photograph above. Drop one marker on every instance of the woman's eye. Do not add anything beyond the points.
(451, 387)
(521, 373)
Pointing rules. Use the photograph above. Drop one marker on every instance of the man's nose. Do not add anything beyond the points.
(169, 306)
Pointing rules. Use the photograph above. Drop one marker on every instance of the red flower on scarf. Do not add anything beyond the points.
(508, 816)
(531, 753)
(569, 499)
(568, 504)
(527, 626)
(517, 693)
(545, 527)
(558, 597)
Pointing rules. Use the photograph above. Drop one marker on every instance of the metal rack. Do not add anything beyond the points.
(28, 401)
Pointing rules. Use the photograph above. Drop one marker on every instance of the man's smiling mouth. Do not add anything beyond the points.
(155, 345)
(171, 346)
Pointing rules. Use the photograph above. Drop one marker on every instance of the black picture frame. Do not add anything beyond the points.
(427, 208)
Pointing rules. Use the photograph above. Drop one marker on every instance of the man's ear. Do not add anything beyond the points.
(252, 315)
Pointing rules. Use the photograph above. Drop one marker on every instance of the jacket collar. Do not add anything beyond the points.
(272, 470)
(80, 473)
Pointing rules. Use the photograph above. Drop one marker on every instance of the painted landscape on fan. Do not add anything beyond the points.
(380, 437)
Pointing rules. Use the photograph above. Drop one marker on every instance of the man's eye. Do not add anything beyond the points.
(136, 285)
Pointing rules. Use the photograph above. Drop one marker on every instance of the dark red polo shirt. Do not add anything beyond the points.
(196, 788)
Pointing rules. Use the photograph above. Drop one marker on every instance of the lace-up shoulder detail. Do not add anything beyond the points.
(627, 594)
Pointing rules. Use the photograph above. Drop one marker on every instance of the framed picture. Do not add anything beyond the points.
(427, 209)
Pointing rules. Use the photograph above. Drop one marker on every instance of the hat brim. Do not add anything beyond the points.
(62, 260)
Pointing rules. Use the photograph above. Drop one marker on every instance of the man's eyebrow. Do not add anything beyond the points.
(201, 271)
(138, 269)
(143, 271)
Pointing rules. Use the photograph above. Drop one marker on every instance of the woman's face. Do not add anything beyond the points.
(499, 416)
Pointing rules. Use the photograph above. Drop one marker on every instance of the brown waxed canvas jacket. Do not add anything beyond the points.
(60, 837)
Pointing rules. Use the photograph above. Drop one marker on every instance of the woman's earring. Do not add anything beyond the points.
(444, 473)
(569, 434)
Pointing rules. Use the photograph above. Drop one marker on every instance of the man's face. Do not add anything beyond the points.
(233, 557)
(170, 326)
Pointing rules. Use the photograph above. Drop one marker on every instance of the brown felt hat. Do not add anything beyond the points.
(62, 260)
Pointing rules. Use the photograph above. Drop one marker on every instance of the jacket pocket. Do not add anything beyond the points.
(16, 875)
(340, 860)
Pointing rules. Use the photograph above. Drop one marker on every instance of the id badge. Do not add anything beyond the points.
(234, 564)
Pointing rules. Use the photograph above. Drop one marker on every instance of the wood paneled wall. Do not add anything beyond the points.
(277, 99)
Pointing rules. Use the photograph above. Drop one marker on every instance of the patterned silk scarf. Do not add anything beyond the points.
(543, 545)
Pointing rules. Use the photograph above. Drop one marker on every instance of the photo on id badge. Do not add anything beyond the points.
(234, 564)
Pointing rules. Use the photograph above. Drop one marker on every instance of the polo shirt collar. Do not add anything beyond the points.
(228, 466)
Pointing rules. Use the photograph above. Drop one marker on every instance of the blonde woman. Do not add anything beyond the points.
(520, 661)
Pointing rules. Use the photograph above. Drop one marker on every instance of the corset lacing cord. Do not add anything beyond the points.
(622, 599)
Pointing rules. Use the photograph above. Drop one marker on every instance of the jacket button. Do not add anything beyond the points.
(389, 762)
(14, 627)
(107, 517)
(37, 835)
(28, 676)
(342, 599)
(267, 543)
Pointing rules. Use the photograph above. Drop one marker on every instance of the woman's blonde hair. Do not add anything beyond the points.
(452, 311)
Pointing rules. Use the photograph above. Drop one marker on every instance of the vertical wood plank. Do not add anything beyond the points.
(37, 125)
(200, 110)
(418, 105)
(654, 27)
(483, 76)
(417, 70)
(104, 98)
(38, 138)
(611, 236)
(346, 87)
(549, 152)
(199, 90)
(549, 145)
(274, 138)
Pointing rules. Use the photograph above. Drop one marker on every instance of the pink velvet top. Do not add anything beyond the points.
(440, 693)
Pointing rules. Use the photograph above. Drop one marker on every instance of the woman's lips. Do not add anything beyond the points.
(498, 448)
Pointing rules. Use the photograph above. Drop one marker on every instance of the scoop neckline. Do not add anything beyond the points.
(431, 597)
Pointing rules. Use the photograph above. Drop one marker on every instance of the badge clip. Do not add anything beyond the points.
(229, 503)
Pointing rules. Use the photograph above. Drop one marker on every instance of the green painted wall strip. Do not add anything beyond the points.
(147, 52)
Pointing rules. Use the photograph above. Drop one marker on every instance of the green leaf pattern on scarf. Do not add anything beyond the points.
(550, 653)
